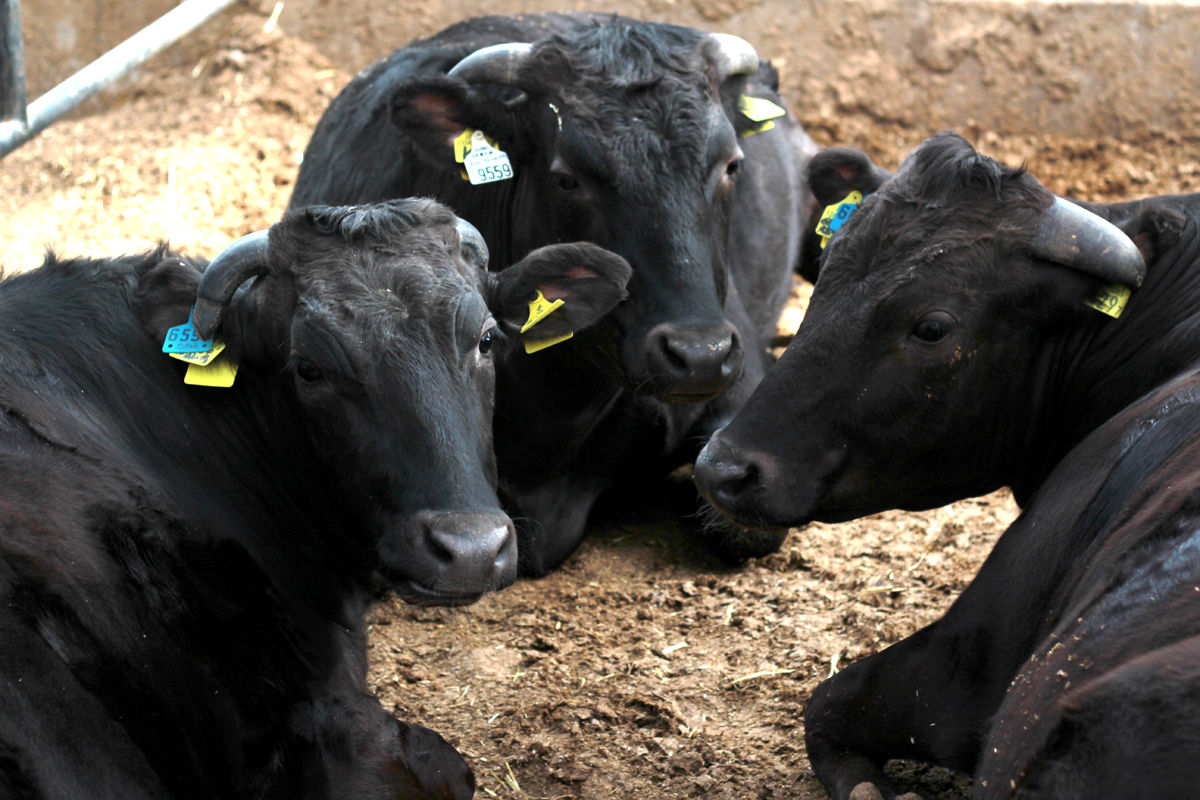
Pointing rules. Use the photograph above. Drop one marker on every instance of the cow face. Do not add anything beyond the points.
(934, 324)
(621, 134)
(381, 324)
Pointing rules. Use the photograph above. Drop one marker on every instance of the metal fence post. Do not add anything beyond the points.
(148, 42)
(12, 62)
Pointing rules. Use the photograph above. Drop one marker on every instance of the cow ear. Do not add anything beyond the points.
(1154, 228)
(589, 280)
(435, 111)
(165, 293)
(835, 172)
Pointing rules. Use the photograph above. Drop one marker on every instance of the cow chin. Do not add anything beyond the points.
(450, 558)
(416, 594)
(677, 392)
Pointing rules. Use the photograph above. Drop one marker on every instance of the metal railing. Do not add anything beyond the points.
(19, 124)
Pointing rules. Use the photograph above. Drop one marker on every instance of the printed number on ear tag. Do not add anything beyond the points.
(836, 215)
(184, 339)
(485, 164)
(1110, 300)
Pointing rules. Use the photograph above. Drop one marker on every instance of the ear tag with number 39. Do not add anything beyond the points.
(539, 309)
(485, 164)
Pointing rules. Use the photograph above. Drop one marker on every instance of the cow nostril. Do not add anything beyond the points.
(673, 354)
(735, 480)
(438, 548)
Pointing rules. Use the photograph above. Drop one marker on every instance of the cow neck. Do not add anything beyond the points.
(1103, 366)
(269, 455)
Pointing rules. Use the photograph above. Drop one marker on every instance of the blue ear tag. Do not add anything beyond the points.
(184, 339)
(837, 214)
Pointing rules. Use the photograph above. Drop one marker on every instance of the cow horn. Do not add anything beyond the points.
(233, 266)
(1075, 237)
(498, 63)
(472, 240)
(734, 56)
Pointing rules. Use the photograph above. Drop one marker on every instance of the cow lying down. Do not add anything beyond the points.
(184, 568)
(667, 145)
(954, 345)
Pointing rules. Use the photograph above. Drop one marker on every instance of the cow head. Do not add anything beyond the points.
(623, 134)
(932, 340)
(378, 325)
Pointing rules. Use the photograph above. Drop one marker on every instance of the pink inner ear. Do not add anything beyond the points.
(555, 291)
(847, 173)
(1145, 243)
(439, 113)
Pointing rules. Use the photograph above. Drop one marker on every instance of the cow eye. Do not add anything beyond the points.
(564, 181)
(487, 340)
(931, 330)
(308, 371)
(733, 167)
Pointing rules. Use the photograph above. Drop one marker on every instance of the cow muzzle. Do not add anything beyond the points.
(689, 365)
(746, 487)
(453, 558)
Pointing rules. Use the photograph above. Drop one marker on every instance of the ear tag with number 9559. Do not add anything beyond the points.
(486, 164)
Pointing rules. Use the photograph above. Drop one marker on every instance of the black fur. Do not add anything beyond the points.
(184, 570)
(1067, 668)
(631, 114)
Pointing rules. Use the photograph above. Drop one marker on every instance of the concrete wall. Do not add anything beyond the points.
(1014, 66)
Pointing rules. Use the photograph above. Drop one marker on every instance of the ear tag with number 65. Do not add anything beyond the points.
(205, 368)
(486, 164)
(184, 339)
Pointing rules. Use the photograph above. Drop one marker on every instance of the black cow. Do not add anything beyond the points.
(626, 134)
(949, 350)
(184, 569)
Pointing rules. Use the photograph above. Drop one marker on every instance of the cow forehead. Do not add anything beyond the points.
(384, 295)
(890, 241)
(635, 146)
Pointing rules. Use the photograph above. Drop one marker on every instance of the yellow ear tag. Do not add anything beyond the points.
(757, 109)
(836, 215)
(220, 372)
(1110, 300)
(201, 359)
(462, 144)
(766, 126)
(539, 309)
(533, 345)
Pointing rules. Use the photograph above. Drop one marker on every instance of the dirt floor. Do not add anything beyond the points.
(643, 668)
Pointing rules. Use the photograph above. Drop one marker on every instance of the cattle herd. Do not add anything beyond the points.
(593, 223)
